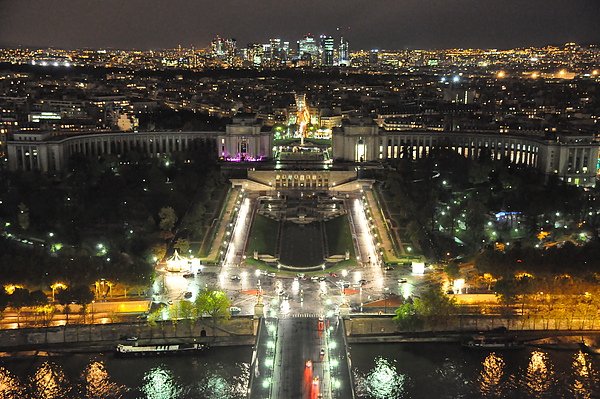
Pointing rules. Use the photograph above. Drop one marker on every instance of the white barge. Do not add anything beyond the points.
(156, 350)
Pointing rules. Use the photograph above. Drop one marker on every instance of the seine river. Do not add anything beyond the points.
(381, 372)
(448, 371)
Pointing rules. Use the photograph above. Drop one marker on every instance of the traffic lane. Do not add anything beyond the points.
(293, 377)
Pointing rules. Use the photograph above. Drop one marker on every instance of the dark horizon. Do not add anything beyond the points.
(384, 24)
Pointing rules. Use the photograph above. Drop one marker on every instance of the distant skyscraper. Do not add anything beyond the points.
(344, 52)
(285, 50)
(327, 46)
(308, 49)
(275, 51)
(254, 54)
(223, 49)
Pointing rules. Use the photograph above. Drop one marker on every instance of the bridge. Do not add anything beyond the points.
(299, 357)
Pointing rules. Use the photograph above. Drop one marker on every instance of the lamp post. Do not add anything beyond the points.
(56, 286)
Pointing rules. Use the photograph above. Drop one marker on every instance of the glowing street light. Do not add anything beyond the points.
(56, 286)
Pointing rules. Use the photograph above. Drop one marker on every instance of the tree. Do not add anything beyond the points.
(213, 303)
(18, 300)
(158, 250)
(507, 290)
(81, 295)
(3, 301)
(23, 216)
(183, 245)
(167, 218)
(407, 318)
(452, 269)
(434, 305)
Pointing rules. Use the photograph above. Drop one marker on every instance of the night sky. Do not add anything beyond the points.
(385, 24)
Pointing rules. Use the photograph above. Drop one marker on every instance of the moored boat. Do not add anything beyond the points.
(156, 350)
(482, 341)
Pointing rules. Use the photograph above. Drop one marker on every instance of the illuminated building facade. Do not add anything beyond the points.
(328, 47)
(573, 158)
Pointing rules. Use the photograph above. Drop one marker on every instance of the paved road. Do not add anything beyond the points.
(299, 340)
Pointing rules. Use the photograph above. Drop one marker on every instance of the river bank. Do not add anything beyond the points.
(102, 337)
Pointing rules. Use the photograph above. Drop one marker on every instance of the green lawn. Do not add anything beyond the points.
(263, 236)
(339, 236)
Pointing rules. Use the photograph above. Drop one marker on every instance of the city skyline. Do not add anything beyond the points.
(388, 25)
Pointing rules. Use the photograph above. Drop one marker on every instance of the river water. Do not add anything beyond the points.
(221, 373)
(448, 371)
(386, 371)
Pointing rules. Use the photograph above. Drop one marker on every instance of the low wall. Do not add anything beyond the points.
(236, 331)
(357, 326)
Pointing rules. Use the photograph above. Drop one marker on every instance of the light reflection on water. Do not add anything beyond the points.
(446, 371)
(539, 377)
(98, 384)
(220, 376)
(49, 382)
(10, 386)
(382, 382)
(584, 376)
(491, 376)
(160, 384)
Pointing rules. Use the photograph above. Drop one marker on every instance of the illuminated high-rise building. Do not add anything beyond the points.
(308, 49)
(285, 51)
(255, 53)
(275, 50)
(327, 47)
(344, 52)
(223, 49)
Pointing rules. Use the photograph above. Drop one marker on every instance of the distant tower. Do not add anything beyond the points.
(344, 52)
(327, 46)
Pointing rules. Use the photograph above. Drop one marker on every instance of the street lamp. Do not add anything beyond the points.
(56, 286)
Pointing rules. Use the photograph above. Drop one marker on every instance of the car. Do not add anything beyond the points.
(296, 279)
(235, 277)
(187, 295)
(280, 292)
(189, 275)
(130, 338)
(322, 278)
(234, 310)
(314, 278)
(345, 284)
(300, 275)
(322, 352)
(388, 268)
(363, 281)
(271, 275)
(402, 281)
